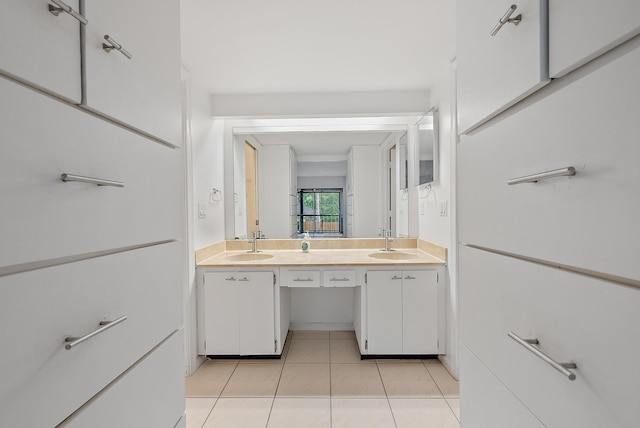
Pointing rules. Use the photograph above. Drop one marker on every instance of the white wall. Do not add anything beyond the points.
(319, 104)
(321, 182)
(204, 166)
(432, 226)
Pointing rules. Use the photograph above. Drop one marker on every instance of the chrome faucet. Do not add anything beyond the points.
(387, 239)
(253, 241)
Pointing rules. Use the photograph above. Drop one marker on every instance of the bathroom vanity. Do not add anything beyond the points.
(394, 300)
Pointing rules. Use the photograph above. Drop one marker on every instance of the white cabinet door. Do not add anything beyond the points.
(495, 72)
(41, 307)
(580, 30)
(43, 217)
(575, 318)
(150, 394)
(485, 402)
(420, 312)
(40, 48)
(239, 313)
(256, 312)
(142, 92)
(221, 319)
(588, 221)
(384, 312)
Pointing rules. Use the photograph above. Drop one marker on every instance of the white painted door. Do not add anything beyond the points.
(256, 313)
(40, 48)
(142, 91)
(580, 30)
(420, 312)
(221, 306)
(495, 72)
(384, 312)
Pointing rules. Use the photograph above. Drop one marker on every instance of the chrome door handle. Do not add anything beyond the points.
(561, 367)
(339, 279)
(115, 45)
(97, 181)
(534, 178)
(61, 6)
(73, 341)
(303, 280)
(507, 19)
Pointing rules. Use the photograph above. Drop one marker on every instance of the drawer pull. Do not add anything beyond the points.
(63, 7)
(115, 45)
(244, 279)
(506, 19)
(409, 277)
(396, 277)
(98, 181)
(534, 178)
(73, 341)
(339, 279)
(561, 367)
(230, 279)
(303, 280)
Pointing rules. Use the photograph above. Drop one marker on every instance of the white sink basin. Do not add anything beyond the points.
(393, 255)
(247, 257)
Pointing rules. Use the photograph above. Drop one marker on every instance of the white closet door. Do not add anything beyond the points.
(40, 48)
(580, 30)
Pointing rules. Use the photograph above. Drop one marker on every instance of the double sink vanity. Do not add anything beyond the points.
(249, 298)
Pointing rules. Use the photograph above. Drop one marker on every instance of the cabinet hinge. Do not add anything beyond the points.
(366, 344)
(275, 345)
(365, 278)
(274, 278)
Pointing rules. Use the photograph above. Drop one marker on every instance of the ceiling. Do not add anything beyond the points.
(307, 46)
(323, 146)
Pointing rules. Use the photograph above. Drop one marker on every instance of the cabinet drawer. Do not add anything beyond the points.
(587, 221)
(144, 91)
(302, 278)
(43, 307)
(573, 40)
(339, 278)
(575, 318)
(485, 402)
(495, 72)
(43, 217)
(40, 48)
(151, 394)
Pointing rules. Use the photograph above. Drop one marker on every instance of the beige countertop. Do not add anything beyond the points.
(408, 255)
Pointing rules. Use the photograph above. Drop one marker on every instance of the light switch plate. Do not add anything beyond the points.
(202, 211)
(444, 210)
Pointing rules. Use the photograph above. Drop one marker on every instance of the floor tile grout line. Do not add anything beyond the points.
(454, 413)
(220, 394)
(330, 387)
(434, 380)
(386, 395)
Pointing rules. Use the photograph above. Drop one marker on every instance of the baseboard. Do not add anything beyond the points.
(325, 326)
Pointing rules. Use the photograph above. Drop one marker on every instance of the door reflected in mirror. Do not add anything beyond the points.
(427, 168)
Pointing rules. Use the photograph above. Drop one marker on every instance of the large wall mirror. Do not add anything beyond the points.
(427, 148)
(381, 171)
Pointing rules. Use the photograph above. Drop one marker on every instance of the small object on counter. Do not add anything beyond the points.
(305, 243)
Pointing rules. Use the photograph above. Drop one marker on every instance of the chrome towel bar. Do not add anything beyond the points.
(63, 7)
(97, 181)
(73, 341)
(534, 178)
(561, 367)
(507, 19)
(115, 45)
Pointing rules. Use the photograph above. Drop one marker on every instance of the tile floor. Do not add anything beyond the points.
(321, 382)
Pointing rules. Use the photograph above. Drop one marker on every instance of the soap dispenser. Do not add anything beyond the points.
(305, 243)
